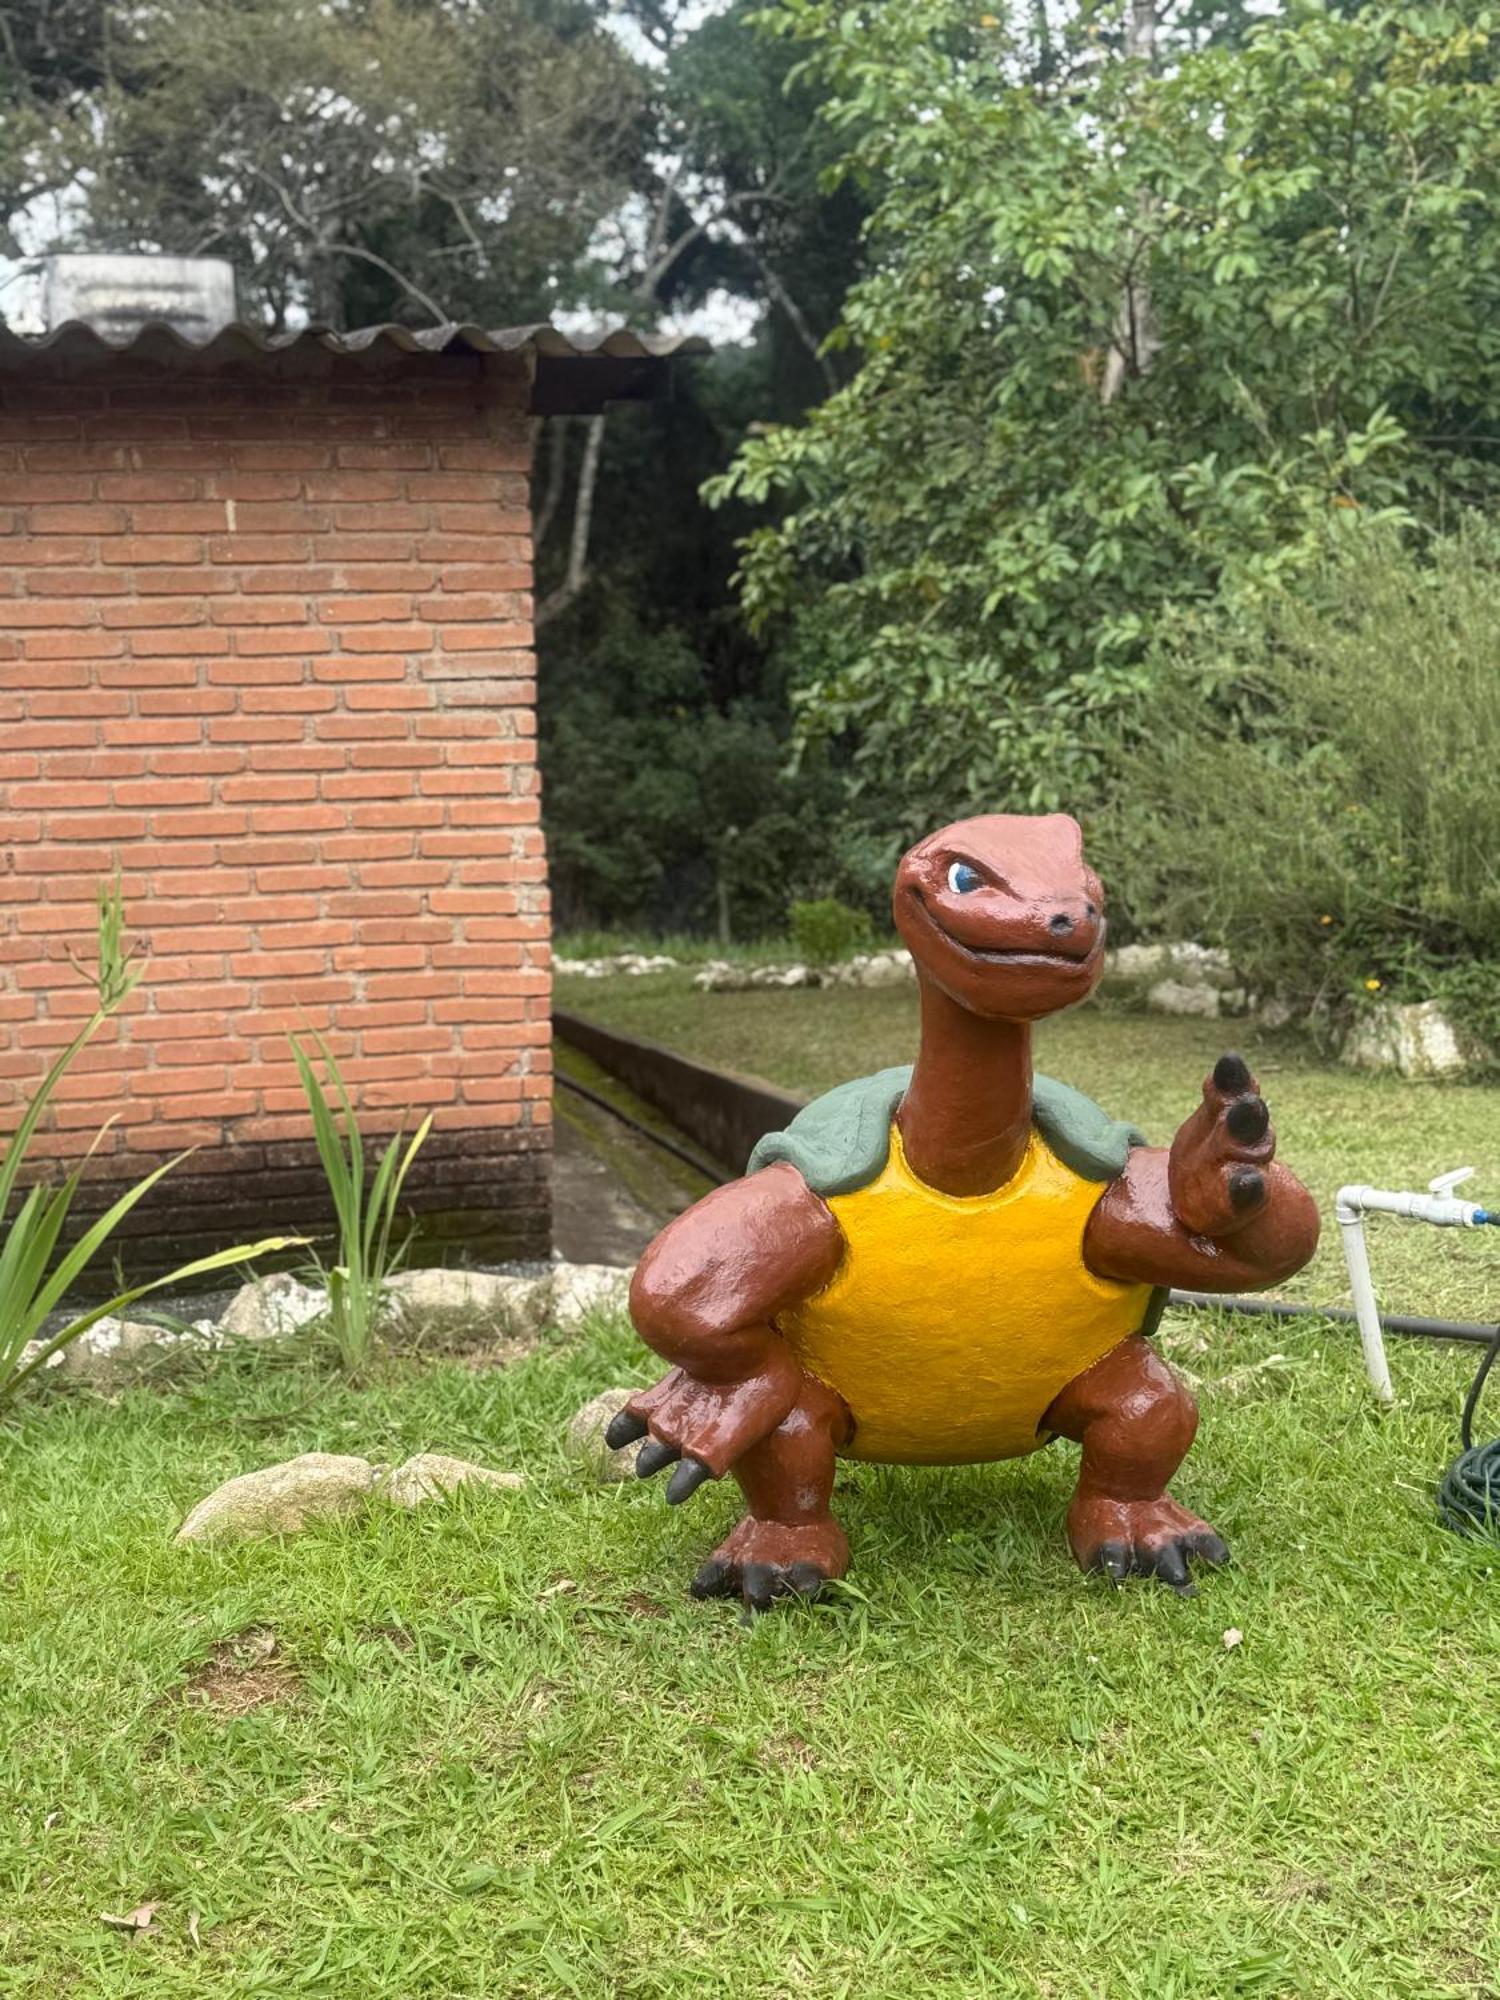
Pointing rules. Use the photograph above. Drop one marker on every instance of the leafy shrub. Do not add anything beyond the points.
(366, 1215)
(32, 1287)
(825, 931)
(1315, 788)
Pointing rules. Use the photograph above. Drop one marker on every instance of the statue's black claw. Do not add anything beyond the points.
(1247, 1119)
(758, 1585)
(624, 1429)
(714, 1579)
(1170, 1564)
(653, 1456)
(1231, 1075)
(1210, 1547)
(806, 1580)
(1247, 1187)
(686, 1480)
(1114, 1559)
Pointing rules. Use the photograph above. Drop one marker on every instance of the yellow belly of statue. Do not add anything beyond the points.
(953, 1323)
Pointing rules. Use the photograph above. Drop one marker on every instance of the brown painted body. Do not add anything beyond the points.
(1005, 923)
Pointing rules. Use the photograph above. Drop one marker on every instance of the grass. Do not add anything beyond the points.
(1334, 1125)
(491, 1749)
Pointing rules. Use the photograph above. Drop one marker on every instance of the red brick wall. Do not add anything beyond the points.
(267, 649)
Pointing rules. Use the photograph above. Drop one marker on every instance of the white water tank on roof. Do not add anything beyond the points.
(119, 295)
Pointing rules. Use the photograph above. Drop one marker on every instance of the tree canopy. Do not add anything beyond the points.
(1150, 303)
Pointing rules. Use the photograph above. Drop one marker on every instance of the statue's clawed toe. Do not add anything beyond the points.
(761, 1561)
(1124, 1538)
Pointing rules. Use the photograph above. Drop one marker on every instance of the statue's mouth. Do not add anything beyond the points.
(1062, 961)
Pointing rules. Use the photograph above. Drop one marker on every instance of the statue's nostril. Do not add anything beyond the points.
(1061, 924)
(1090, 910)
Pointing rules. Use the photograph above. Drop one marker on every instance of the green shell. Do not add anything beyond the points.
(841, 1141)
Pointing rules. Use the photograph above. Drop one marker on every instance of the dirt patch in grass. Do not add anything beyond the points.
(242, 1673)
(391, 1635)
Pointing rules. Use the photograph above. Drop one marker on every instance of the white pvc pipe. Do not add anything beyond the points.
(1367, 1312)
(1439, 1206)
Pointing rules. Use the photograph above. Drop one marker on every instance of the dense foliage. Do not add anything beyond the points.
(1142, 317)
(1315, 786)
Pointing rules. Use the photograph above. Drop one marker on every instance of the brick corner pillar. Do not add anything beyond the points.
(268, 652)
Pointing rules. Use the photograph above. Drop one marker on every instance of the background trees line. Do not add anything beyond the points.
(1080, 337)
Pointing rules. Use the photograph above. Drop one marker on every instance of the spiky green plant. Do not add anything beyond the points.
(32, 1287)
(366, 1216)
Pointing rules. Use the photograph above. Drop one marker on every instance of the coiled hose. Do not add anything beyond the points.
(1468, 1496)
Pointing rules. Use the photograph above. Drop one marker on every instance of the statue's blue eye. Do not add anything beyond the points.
(964, 880)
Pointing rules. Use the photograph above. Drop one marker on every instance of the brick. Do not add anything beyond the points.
(45, 552)
(59, 582)
(147, 673)
(156, 792)
(367, 608)
(185, 701)
(489, 455)
(487, 638)
(70, 520)
(178, 641)
(107, 826)
(232, 484)
(156, 612)
(264, 787)
(386, 639)
(215, 823)
(168, 582)
(392, 756)
(291, 641)
(343, 549)
(281, 457)
(385, 457)
(366, 785)
(384, 697)
(197, 517)
(153, 486)
(278, 517)
(473, 607)
(257, 548)
(258, 673)
(285, 701)
(145, 550)
(260, 611)
(362, 667)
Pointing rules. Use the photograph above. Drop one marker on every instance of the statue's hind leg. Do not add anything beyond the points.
(788, 1544)
(1135, 1422)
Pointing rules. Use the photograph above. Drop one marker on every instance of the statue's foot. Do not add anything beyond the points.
(763, 1560)
(1141, 1538)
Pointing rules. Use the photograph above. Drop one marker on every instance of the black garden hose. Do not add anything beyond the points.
(1468, 1496)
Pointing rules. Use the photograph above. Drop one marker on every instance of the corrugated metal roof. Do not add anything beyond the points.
(82, 338)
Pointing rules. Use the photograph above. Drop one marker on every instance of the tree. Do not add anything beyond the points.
(1146, 307)
(413, 159)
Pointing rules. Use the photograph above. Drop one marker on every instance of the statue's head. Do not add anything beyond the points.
(1004, 914)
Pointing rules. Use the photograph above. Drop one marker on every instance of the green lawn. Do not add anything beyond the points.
(1334, 1126)
(493, 1749)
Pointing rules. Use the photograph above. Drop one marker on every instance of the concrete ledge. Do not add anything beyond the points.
(724, 1112)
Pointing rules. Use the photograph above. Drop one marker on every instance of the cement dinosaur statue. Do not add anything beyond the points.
(960, 1261)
